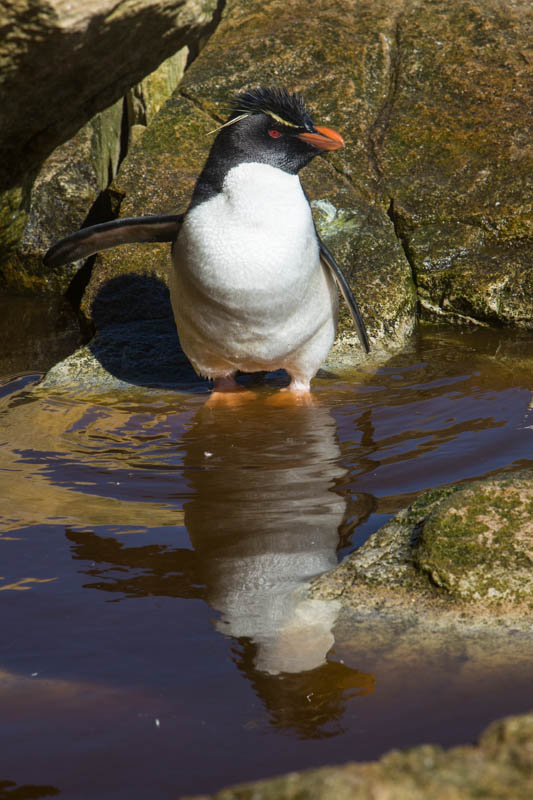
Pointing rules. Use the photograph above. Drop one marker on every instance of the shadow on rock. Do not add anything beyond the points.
(136, 340)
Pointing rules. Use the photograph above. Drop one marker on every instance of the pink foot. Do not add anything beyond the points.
(227, 392)
(298, 393)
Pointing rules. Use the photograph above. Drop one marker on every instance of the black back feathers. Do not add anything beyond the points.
(283, 106)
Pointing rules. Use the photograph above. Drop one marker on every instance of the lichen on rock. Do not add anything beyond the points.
(464, 546)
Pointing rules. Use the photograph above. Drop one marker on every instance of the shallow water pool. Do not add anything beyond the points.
(155, 635)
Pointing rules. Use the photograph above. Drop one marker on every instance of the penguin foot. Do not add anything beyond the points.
(291, 397)
(230, 399)
(227, 392)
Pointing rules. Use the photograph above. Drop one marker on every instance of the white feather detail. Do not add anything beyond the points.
(248, 289)
(227, 124)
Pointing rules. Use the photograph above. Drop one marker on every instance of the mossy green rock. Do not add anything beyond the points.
(468, 545)
(71, 181)
(500, 767)
(434, 100)
(456, 157)
(433, 183)
(478, 543)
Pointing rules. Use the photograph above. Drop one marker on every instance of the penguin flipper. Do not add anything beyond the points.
(329, 261)
(91, 240)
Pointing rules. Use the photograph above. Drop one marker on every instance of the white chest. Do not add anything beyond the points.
(254, 238)
(247, 288)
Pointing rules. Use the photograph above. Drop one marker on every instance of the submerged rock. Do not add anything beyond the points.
(499, 767)
(467, 547)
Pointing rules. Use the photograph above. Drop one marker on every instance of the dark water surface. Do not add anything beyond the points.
(155, 638)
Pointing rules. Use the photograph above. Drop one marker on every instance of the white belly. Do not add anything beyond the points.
(247, 287)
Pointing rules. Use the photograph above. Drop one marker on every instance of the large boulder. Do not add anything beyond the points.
(64, 191)
(429, 199)
(456, 156)
(62, 64)
(70, 189)
(159, 173)
(434, 100)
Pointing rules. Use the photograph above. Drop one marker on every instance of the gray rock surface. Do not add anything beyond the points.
(70, 185)
(460, 553)
(409, 169)
(429, 201)
(434, 102)
(60, 65)
(160, 171)
(66, 187)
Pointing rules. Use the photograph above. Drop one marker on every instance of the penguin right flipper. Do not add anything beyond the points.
(130, 230)
(329, 261)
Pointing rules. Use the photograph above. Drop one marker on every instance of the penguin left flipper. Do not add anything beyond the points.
(129, 230)
(329, 261)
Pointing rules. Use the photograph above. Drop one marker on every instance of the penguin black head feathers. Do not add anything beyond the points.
(282, 106)
(266, 126)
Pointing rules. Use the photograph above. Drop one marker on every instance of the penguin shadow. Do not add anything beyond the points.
(266, 512)
(136, 339)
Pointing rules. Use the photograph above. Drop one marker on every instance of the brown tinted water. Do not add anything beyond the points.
(154, 635)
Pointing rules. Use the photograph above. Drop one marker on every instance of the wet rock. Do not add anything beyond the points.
(86, 56)
(145, 353)
(64, 191)
(454, 152)
(467, 547)
(136, 341)
(35, 333)
(70, 188)
(431, 188)
(499, 766)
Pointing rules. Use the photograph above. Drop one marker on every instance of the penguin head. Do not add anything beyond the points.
(266, 126)
(273, 126)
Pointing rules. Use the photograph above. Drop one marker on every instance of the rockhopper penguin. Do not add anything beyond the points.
(252, 285)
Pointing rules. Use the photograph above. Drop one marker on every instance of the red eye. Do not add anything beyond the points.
(274, 133)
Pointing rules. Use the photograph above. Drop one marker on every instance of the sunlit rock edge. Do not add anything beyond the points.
(459, 557)
(499, 766)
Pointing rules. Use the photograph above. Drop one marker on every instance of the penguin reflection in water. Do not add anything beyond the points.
(253, 288)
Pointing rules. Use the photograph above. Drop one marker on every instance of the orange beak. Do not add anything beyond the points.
(324, 138)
